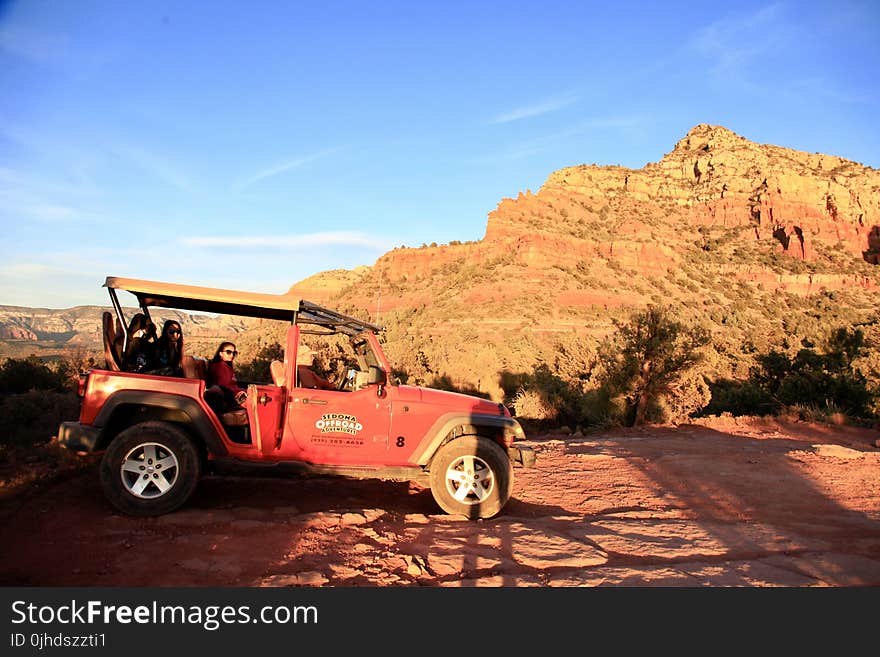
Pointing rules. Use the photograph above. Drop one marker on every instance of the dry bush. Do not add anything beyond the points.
(533, 405)
(689, 396)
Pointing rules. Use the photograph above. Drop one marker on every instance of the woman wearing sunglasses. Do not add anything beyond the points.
(168, 350)
(221, 373)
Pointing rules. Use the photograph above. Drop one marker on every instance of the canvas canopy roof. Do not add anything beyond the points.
(284, 307)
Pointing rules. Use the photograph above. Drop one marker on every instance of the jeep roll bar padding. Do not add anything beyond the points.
(121, 318)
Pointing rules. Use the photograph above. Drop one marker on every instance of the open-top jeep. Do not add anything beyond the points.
(159, 433)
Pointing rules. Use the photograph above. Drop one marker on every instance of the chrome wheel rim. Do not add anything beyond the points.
(469, 480)
(149, 470)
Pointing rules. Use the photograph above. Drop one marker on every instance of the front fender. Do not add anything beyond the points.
(503, 429)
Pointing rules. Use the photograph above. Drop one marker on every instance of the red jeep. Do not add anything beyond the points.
(159, 433)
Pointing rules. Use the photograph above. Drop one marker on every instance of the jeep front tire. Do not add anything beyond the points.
(472, 477)
(149, 469)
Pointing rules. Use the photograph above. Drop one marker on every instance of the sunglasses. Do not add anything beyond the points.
(174, 332)
(229, 351)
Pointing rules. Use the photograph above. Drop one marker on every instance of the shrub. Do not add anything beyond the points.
(738, 398)
(600, 409)
(31, 418)
(534, 405)
(649, 360)
(18, 375)
(444, 382)
(34, 399)
(684, 400)
(835, 382)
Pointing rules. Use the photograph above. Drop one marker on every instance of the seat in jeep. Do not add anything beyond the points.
(194, 367)
(276, 369)
(112, 342)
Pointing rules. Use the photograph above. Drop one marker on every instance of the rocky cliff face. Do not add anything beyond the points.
(33, 324)
(714, 177)
(715, 189)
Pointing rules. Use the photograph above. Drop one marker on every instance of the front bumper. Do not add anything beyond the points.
(524, 456)
(78, 437)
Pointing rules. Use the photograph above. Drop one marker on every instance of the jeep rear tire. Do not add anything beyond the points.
(472, 477)
(150, 469)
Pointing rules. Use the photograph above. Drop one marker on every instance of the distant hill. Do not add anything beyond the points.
(49, 333)
(764, 246)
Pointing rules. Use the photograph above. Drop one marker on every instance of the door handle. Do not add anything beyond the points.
(315, 401)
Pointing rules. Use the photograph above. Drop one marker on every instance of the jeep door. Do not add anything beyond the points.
(265, 406)
(339, 428)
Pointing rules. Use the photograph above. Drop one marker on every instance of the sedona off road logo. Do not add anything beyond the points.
(339, 423)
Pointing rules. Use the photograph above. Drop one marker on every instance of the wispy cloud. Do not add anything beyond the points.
(34, 283)
(77, 156)
(155, 165)
(24, 136)
(733, 43)
(338, 238)
(544, 143)
(281, 168)
(18, 203)
(53, 212)
(736, 56)
(19, 269)
(544, 107)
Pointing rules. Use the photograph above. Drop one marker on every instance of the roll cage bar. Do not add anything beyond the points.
(283, 307)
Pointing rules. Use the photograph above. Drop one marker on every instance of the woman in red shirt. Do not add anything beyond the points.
(221, 373)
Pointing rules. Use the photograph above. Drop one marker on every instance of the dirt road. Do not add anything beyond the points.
(723, 503)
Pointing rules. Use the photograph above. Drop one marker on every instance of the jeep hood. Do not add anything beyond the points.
(452, 400)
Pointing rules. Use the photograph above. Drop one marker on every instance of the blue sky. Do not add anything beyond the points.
(251, 145)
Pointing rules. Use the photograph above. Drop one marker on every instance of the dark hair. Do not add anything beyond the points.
(139, 352)
(164, 344)
(138, 322)
(223, 345)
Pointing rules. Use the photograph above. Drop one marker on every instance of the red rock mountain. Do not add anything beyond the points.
(713, 180)
(730, 233)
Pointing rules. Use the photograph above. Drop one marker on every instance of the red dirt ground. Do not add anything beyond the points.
(727, 502)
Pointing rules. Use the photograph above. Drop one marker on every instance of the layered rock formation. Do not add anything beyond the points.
(645, 221)
(714, 177)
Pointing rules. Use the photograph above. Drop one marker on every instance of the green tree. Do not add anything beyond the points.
(826, 379)
(650, 357)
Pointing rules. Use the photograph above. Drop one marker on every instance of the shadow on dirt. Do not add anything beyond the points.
(753, 496)
(659, 506)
